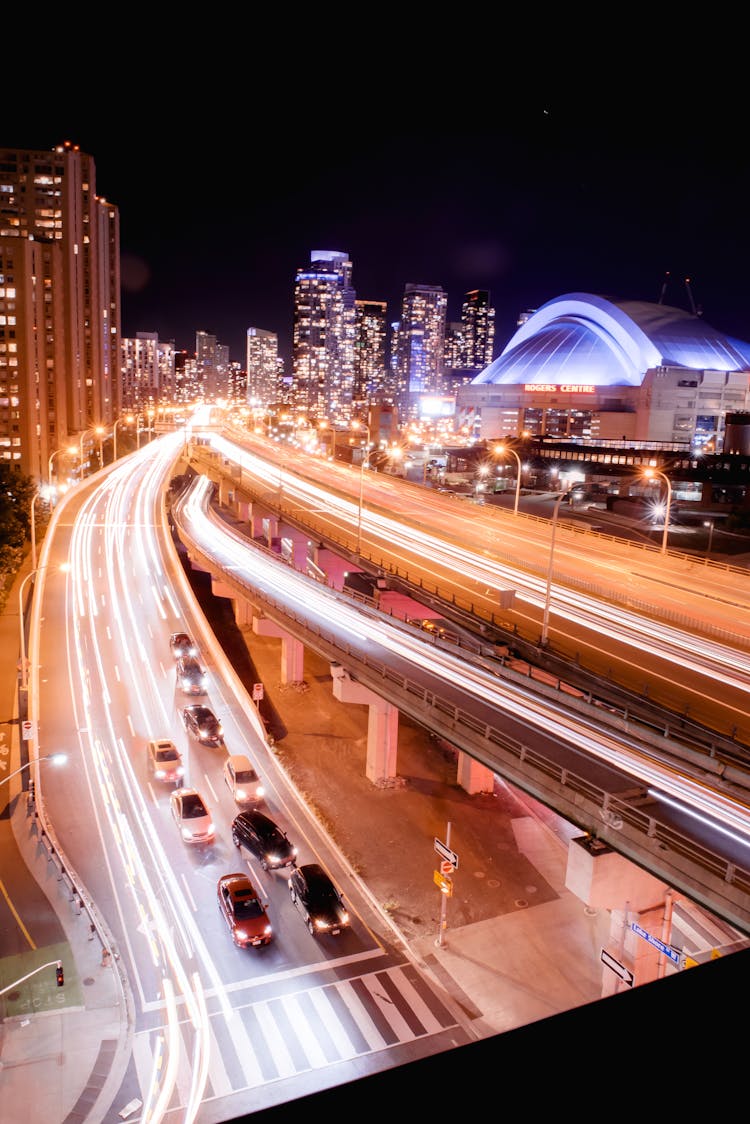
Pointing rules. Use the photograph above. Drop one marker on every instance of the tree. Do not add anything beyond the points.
(16, 495)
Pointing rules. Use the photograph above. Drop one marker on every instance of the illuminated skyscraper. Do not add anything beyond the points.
(478, 331)
(59, 304)
(262, 367)
(148, 371)
(371, 375)
(323, 339)
(419, 345)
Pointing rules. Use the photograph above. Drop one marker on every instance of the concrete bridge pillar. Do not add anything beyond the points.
(473, 776)
(382, 726)
(292, 650)
(638, 904)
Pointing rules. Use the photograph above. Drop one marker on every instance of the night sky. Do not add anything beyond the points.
(217, 213)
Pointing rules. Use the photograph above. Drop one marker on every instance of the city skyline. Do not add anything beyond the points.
(542, 203)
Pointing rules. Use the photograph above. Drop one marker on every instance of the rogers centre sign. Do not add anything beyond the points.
(563, 388)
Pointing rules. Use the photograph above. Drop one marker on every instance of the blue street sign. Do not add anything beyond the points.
(665, 948)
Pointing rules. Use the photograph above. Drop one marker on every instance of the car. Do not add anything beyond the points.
(191, 815)
(165, 760)
(192, 678)
(264, 839)
(318, 900)
(242, 780)
(243, 911)
(202, 723)
(181, 644)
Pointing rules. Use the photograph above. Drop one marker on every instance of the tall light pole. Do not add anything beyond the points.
(365, 460)
(80, 455)
(710, 524)
(501, 450)
(100, 430)
(55, 758)
(548, 594)
(126, 418)
(70, 450)
(649, 473)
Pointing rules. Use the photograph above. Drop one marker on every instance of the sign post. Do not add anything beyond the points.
(449, 862)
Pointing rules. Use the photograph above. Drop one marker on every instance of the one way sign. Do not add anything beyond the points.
(619, 969)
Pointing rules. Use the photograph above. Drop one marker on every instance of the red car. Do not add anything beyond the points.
(243, 911)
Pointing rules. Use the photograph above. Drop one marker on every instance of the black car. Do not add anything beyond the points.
(202, 723)
(261, 836)
(191, 676)
(318, 900)
(182, 645)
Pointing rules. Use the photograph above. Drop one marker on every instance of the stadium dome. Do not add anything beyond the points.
(584, 338)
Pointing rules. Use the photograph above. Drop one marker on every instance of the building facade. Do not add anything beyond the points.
(372, 380)
(148, 372)
(418, 344)
(59, 306)
(323, 337)
(262, 368)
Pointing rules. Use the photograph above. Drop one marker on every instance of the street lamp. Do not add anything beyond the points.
(100, 430)
(365, 460)
(710, 524)
(70, 450)
(55, 758)
(126, 418)
(34, 498)
(650, 473)
(501, 450)
(548, 594)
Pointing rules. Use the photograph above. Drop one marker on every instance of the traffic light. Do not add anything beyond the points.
(59, 974)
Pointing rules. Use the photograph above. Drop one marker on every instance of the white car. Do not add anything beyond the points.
(165, 761)
(242, 780)
(191, 815)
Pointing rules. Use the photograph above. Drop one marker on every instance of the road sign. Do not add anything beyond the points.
(27, 730)
(445, 884)
(665, 948)
(257, 692)
(619, 969)
(446, 853)
(446, 867)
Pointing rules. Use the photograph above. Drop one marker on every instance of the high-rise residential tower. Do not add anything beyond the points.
(59, 304)
(419, 345)
(478, 330)
(148, 371)
(323, 337)
(262, 367)
(371, 375)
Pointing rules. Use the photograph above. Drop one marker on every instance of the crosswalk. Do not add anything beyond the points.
(305, 1030)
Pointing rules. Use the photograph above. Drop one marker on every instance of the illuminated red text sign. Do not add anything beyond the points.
(563, 388)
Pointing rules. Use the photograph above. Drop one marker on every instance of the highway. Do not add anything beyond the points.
(111, 590)
(667, 627)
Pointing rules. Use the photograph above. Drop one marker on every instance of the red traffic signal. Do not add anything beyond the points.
(59, 974)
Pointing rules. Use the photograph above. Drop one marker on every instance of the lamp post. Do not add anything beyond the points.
(548, 594)
(710, 524)
(100, 430)
(55, 758)
(71, 449)
(80, 455)
(126, 418)
(649, 473)
(501, 450)
(365, 460)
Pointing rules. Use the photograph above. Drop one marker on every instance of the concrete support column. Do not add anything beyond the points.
(292, 650)
(472, 776)
(382, 726)
(603, 879)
